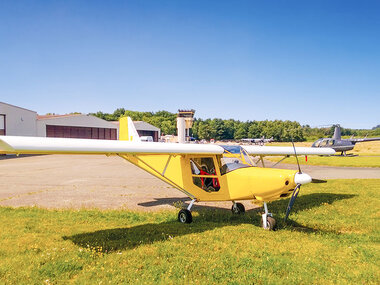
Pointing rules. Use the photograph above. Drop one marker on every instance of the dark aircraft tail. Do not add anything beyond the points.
(337, 133)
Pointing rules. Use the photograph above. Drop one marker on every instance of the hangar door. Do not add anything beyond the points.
(153, 134)
(53, 131)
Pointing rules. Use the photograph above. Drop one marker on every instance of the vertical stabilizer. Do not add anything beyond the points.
(337, 133)
(127, 130)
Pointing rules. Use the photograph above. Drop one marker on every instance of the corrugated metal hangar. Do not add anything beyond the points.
(76, 126)
(17, 121)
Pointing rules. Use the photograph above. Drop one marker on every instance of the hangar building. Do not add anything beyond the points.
(17, 121)
(76, 126)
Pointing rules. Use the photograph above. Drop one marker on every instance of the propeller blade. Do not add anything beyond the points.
(318, 181)
(292, 200)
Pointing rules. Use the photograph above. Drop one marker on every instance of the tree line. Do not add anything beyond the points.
(219, 129)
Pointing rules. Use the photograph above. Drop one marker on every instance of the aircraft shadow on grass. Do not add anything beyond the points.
(209, 218)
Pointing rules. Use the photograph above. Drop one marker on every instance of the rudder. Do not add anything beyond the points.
(127, 130)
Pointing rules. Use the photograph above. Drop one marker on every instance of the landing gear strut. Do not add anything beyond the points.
(267, 220)
(184, 216)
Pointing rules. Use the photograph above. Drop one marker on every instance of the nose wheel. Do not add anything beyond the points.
(267, 220)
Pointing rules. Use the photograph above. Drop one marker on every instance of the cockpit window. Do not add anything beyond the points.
(317, 143)
(234, 157)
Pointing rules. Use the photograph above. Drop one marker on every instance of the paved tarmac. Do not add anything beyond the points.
(85, 181)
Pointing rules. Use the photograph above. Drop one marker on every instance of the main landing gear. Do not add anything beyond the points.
(267, 220)
(237, 208)
(184, 216)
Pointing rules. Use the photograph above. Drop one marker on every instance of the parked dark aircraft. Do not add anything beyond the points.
(260, 141)
(339, 144)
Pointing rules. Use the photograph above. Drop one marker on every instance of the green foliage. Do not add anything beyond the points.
(328, 239)
(281, 131)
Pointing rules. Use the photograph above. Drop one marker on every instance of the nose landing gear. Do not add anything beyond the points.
(267, 220)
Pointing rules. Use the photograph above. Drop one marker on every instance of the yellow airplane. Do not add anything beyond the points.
(204, 172)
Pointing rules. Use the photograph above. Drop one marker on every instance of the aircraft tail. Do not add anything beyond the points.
(337, 133)
(127, 130)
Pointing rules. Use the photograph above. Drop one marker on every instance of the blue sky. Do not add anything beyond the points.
(316, 62)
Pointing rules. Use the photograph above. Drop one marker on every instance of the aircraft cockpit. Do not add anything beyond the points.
(323, 143)
(234, 157)
(206, 171)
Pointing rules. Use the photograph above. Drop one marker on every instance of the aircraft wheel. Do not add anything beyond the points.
(271, 224)
(185, 217)
(238, 208)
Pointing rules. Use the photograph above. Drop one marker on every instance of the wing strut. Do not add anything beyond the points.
(161, 175)
(281, 160)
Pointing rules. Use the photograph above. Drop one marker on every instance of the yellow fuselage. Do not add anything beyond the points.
(263, 184)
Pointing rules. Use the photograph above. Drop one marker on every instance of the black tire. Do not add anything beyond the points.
(185, 217)
(238, 208)
(271, 224)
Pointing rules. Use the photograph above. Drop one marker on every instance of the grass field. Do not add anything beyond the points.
(333, 238)
(368, 155)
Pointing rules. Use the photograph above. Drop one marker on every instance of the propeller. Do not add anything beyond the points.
(300, 178)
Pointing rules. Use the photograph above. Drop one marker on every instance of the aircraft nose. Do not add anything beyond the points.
(302, 178)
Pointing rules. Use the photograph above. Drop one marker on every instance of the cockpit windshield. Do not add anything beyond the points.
(234, 157)
(317, 143)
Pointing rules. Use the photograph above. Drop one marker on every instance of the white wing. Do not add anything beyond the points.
(286, 150)
(41, 145)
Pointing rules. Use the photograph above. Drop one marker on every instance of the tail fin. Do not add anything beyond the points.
(337, 133)
(127, 130)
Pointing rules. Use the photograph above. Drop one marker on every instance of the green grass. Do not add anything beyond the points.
(348, 161)
(332, 238)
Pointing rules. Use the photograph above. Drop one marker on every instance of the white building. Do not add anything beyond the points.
(17, 121)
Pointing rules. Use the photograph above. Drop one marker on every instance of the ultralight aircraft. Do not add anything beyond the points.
(204, 172)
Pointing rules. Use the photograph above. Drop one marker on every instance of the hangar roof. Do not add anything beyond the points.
(78, 120)
(43, 117)
(17, 107)
(141, 126)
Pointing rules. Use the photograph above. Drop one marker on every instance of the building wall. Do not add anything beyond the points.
(73, 121)
(18, 121)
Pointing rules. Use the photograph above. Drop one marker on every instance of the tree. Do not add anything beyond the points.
(242, 130)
